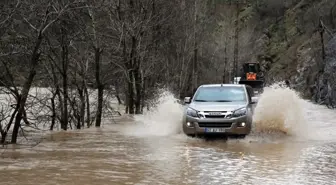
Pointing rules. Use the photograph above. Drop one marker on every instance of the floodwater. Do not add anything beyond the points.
(294, 142)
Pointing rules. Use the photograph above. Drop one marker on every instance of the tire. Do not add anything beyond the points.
(242, 136)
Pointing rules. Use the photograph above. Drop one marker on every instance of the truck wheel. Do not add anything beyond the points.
(240, 136)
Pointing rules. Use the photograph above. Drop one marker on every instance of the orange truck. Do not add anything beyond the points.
(252, 76)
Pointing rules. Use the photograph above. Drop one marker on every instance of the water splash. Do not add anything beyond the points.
(165, 119)
(279, 111)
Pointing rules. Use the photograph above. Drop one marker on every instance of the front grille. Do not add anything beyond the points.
(214, 116)
(213, 124)
(215, 111)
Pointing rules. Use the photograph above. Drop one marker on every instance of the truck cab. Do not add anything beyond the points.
(225, 109)
(253, 76)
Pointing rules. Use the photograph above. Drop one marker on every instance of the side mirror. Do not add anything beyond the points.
(187, 100)
(254, 100)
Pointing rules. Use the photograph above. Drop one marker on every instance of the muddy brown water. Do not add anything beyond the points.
(116, 154)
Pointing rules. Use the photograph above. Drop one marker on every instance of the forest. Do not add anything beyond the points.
(55, 55)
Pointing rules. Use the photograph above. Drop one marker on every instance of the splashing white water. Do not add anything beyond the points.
(164, 120)
(279, 110)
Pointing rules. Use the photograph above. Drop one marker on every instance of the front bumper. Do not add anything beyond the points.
(232, 126)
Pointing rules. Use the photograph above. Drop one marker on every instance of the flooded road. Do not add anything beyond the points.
(153, 151)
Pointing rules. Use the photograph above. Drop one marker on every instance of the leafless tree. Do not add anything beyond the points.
(82, 54)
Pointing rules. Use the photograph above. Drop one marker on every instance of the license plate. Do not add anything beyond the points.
(215, 130)
(215, 113)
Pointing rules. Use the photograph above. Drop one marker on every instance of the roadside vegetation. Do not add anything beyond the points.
(66, 64)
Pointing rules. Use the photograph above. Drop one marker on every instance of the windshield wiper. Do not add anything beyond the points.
(201, 100)
(223, 101)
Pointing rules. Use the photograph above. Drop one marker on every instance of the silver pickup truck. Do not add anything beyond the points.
(225, 109)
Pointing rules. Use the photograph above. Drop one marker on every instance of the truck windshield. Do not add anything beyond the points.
(254, 68)
(220, 94)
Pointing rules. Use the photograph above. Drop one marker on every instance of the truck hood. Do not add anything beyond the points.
(217, 106)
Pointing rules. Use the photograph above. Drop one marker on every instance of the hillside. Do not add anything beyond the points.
(285, 37)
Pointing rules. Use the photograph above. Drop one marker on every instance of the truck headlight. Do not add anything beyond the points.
(239, 112)
(192, 112)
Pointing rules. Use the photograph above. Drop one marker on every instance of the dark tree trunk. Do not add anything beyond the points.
(100, 87)
(65, 64)
(321, 31)
(4, 134)
(53, 104)
(82, 106)
(26, 87)
(23, 100)
(53, 116)
(132, 77)
(100, 105)
(60, 99)
(87, 99)
(143, 92)
(137, 80)
(130, 93)
(126, 99)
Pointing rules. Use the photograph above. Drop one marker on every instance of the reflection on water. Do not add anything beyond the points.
(116, 154)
